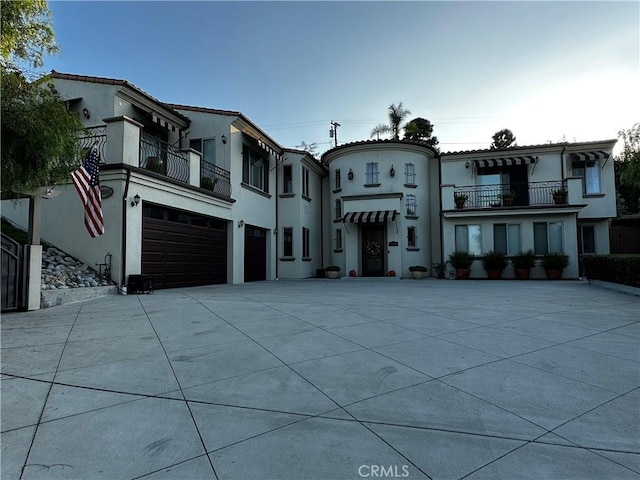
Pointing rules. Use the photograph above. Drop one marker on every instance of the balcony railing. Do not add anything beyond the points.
(215, 179)
(160, 157)
(97, 136)
(511, 195)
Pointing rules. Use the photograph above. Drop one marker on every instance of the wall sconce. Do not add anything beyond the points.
(466, 165)
(350, 174)
(392, 172)
(275, 231)
(224, 139)
(241, 224)
(86, 113)
(135, 201)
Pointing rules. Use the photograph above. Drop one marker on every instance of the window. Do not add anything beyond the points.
(287, 179)
(409, 174)
(506, 238)
(305, 181)
(411, 204)
(468, 239)
(255, 169)
(411, 237)
(287, 242)
(338, 179)
(206, 146)
(305, 242)
(489, 189)
(338, 239)
(547, 237)
(372, 173)
(589, 170)
(338, 208)
(587, 239)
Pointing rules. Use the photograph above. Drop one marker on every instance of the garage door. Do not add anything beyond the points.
(182, 249)
(255, 254)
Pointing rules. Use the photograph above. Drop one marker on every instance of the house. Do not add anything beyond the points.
(200, 196)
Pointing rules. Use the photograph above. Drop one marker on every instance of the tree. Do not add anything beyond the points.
(420, 130)
(26, 34)
(397, 114)
(503, 139)
(627, 171)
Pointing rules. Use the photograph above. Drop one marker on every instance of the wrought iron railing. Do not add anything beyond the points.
(97, 137)
(511, 195)
(160, 157)
(215, 179)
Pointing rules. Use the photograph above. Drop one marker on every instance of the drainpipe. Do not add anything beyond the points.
(276, 196)
(321, 226)
(439, 157)
(562, 163)
(123, 259)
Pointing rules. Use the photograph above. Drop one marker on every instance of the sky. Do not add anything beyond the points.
(549, 71)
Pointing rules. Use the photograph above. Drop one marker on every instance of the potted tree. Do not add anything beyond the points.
(554, 263)
(494, 263)
(508, 198)
(439, 268)
(332, 271)
(460, 199)
(418, 271)
(522, 263)
(461, 261)
(559, 196)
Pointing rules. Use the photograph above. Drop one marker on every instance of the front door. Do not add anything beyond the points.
(373, 250)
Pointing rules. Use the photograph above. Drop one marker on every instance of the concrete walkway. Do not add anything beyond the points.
(327, 379)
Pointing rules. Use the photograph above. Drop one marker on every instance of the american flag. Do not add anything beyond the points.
(86, 179)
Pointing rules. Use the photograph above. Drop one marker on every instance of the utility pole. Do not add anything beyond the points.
(333, 132)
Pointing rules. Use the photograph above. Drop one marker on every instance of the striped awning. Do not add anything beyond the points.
(590, 156)
(505, 161)
(375, 216)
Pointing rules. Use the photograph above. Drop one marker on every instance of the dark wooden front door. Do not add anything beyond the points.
(373, 251)
(255, 254)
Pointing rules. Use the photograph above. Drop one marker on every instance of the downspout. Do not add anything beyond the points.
(321, 225)
(439, 157)
(562, 163)
(277, 232)
(123, 259)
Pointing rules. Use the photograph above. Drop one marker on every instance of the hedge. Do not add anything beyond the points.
(623, 269)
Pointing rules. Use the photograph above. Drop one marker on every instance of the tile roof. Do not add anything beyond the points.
(523, 147)
(379, 142)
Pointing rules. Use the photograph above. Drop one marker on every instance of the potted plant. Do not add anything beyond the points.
(332, 271)
(209, 183)
(418, 271)
(155, 164)
(559, 196)
(460, 199)
(522, 263)
(553, 264)
(391, 273)
(439, 268)
(461, 261)
(352, 273)
(508, 198)
(494, 263)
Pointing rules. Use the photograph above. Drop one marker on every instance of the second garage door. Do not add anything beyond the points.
(183, 249)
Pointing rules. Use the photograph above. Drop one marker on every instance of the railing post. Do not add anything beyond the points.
(193, 158)
(447, 197)
(123, 140)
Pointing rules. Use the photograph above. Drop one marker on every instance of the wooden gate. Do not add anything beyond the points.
(13, 281)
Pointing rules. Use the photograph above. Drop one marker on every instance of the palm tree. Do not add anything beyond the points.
(397, 114)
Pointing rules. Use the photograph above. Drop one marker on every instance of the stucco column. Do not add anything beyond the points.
(34, 272)
(123, 140)
(194, 158)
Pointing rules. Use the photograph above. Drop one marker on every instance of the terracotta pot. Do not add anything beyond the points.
(494, 274)
(462, 273)
(522, 273)
(507, 202)
(460, 203)
(553, 274)
(559, 199)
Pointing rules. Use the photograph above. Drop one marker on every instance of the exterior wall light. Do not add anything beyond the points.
(135, 201)
(350, 174)
(241, 224)
(466, 165)
(224, 139)
(86, 113)
(392, 172)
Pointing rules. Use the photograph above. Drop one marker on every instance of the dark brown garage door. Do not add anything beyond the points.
(182, 249)
(255, 254)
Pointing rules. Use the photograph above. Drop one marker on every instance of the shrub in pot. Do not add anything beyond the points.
(461, 261)
(522, 263)
(418, 271)
(460, 199)
(494, 263)
(332, 271)
(439, 269)
(553, 264)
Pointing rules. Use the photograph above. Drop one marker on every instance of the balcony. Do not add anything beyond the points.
(96, 137)
(215, 179)
(160, 157)
(513, 195)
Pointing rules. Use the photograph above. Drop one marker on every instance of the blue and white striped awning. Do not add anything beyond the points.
(505, 161)
(375, 216)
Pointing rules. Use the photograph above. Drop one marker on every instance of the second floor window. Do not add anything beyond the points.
(338, 180)
(287, 179)
(338, 208)
(305, 181)
(589, 170)
(409, 174)
(206, 146)
(411, 204)
(372, 173)
(255, 171)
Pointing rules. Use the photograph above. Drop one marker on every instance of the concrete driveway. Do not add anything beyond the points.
(327, 379)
